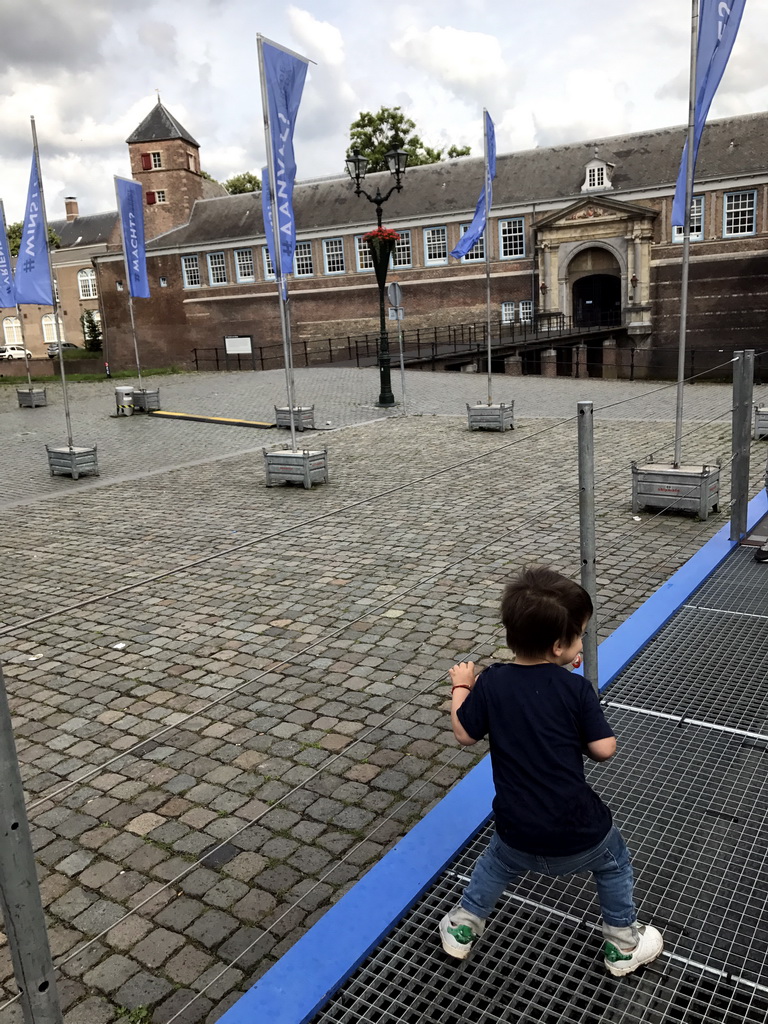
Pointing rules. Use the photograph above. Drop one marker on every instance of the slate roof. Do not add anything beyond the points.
(730, 147)
(160, 126)
(85, 230)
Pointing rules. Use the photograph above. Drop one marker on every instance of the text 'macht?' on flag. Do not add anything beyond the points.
(283, 75)
(719, 22)
(474, 231)
(130, 203)
(32, 281)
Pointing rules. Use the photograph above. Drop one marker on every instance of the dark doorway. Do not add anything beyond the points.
(597, 301)
(531, 362)
(564, 361)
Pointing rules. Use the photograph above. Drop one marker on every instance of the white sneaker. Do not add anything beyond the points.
(458, 930)
(649, 946)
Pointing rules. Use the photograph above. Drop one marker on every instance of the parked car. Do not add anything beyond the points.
(13, 352)
(53, 349)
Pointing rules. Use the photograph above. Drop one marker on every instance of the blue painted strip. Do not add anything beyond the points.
(300, 982)
(303, 979)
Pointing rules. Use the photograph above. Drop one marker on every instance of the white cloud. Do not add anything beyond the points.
(321, 41)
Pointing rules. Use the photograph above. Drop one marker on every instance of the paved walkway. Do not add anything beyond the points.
(216, 742)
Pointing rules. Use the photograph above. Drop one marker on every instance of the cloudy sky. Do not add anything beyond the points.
(549, 71)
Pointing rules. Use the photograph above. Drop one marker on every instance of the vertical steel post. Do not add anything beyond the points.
(587, 533)
(741, 421)
(19, 891)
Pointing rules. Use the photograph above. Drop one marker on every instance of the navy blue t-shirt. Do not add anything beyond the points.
(538, 719)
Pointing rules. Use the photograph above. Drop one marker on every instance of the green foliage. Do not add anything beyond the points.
(376, 134)
(91, 331)
(245, 182)
(207, 176)
(138, 1015)
(14, 238)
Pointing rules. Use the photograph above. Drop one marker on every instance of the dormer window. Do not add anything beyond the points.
(598, 176)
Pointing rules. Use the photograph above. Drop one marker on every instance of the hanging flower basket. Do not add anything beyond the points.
(381, 243)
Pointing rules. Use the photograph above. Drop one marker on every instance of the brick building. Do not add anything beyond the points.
(584, 266)
(583, 260)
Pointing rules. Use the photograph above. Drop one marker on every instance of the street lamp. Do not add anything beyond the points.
(357, 165)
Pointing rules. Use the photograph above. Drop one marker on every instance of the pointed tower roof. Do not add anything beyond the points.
(160, 126)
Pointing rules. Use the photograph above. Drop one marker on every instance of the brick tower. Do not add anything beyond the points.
(166, 160)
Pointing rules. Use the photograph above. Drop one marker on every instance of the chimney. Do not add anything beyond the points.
(70, 205)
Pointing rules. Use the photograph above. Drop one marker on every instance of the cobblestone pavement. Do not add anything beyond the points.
(230, 700)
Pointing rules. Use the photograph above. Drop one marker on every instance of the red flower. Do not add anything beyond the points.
(382, 235)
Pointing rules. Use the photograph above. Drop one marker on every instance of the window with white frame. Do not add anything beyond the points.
(435, 246)
(49, 329)
(512, 237)
(507, 312)
(526, 311)
(163, 282)
(403, 254)
(12, 330)
(217, 268)
(595, 177)
(477, 252)
(363, 254)
(598, 176)
(86, 282)
(738, 213)
(302, 260)
(269, 270)
(697, 222)
(161, 196)
(244, 265)
(333, 255)
(157, 160)
(190, 269)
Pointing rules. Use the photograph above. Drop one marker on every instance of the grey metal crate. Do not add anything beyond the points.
(677, 489)
(146, 399)
(284, 466)
(303, 417)
(760, 431)
(74, 461)
(491, 417)
(31, 398)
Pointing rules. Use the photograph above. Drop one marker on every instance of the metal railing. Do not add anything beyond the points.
(420, 344)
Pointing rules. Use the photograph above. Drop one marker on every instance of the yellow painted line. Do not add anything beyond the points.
(211, 419)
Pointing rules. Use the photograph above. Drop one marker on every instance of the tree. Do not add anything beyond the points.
(91, 331)
(245, 182)
(14, 238)
(375, 134)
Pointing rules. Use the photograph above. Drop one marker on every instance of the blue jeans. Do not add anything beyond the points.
(609, 862)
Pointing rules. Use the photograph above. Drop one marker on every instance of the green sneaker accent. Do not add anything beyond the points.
(613, 953)
(463, 934)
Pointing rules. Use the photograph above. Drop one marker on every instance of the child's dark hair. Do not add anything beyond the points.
(540, 607)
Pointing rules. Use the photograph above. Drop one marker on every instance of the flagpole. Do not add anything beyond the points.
(282, 284)
(689, 174)
(486, 242)
(53, 290)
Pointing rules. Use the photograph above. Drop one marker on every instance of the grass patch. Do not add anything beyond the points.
(77, 378)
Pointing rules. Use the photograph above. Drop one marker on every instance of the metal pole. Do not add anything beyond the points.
(743, 379)
(19, 891)
(53, 290)
(280, 278)
(486, 243)
(689, 168)
(135, 342)
(587, 533)
(402, 359)
(386, 397)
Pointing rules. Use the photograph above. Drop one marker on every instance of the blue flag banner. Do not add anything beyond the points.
(7, 291)
(32, 281)
(266, 212)
(474, 231)
(718, 25)
(130, 203)
(284, 75)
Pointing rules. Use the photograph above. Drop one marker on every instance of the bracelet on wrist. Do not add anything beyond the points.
(461, 686)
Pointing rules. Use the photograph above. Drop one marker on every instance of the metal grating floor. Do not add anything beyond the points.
(692, 802)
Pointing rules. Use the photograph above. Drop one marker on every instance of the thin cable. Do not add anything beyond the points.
(319, 881)
(280, 533)
(99, 769)
(665, 387)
